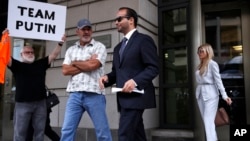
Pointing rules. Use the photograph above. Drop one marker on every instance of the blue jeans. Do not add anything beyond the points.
(26, 111)
(95, 105)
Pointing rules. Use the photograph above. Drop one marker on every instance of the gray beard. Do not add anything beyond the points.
(86, 40)
(27, 60)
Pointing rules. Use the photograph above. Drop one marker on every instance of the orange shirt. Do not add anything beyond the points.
(4, 54)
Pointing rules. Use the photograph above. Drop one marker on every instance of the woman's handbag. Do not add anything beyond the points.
(221, 117)
(51, 99)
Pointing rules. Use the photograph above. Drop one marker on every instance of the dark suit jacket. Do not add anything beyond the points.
(140, 63)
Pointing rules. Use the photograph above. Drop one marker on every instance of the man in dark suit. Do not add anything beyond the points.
(133, 68)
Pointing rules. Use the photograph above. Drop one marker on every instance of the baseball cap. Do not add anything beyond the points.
(82, 23)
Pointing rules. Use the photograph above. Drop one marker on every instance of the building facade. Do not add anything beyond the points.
(178, 27)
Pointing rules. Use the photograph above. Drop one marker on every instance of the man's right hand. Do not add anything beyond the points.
(5, 30)
(102, 80)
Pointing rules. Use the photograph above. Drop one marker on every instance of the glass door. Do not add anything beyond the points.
(8, 95)
(7, 105)
(223, 31)
(175, 102)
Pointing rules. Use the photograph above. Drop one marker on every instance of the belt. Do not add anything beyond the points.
(205, 84)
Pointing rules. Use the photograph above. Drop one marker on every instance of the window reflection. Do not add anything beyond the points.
(223, 32)
(177, 100)
(174, 26)
(38, 45)
(175, 65)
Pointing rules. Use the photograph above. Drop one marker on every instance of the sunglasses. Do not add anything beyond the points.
(119, 19)
(200, 51)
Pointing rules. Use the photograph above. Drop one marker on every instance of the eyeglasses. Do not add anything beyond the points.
(200, 51)
(119, 19)
(28, 52)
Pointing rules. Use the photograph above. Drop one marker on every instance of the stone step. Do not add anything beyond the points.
(172, 135)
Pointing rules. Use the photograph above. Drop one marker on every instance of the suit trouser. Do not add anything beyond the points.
(208, 111)
(131, 127)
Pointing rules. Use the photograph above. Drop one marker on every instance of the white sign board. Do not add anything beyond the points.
(36, 20)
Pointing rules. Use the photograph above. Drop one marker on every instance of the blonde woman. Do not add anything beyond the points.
(208, 83)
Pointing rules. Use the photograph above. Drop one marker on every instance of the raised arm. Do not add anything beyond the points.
(56, 50)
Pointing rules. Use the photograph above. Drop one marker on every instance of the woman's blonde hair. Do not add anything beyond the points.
(204, 62)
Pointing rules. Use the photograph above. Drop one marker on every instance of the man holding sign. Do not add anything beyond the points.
(34, 20)
(30, 103)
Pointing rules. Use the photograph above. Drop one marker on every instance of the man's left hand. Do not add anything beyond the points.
(129, 86)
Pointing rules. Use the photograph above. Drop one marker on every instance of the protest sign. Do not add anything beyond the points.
(36, 20)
